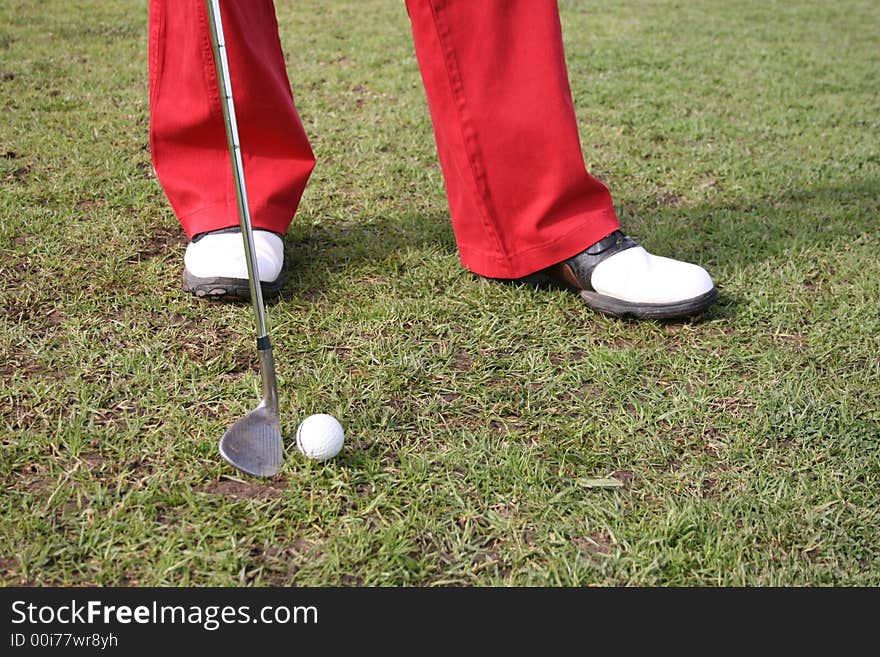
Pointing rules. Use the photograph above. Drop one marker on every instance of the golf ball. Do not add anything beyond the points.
(320, 436)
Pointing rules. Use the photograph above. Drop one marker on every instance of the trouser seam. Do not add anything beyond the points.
(467, 133)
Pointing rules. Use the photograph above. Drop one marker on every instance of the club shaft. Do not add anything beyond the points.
(218, 42)
(264, 347)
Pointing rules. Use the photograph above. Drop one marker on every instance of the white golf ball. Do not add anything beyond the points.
(320, 436)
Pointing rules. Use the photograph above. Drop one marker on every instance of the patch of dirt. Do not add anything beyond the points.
(79, 504)
(812, 554)
(795, 342)
(577, 354)
(243, 363)
(55, 318)
(118, 414)
(708, 181)
(597, 543)
(300, 545)
(587, 391)
(668, 200)
(35, 479)
(205, 341)
(507, 509)
(274, 552)
(40, 318)
(397, 404)
(147, 170)
(616, 343)
(574, 356)
(313, 295)
(342, 353)
(709, 488)
(732, 406)
(504, 426)
(10, 574)
(14, 274)
(16, 363)
(489, 554)
(428, 544)
(462, 361)
(92, 460)
(280, 564)
(623, 476)
(159, 243)
(176, 320)
(19, 173)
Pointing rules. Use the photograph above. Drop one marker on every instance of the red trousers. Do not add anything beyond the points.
(494, 72)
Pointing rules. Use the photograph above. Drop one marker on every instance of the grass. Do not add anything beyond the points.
(495, 435)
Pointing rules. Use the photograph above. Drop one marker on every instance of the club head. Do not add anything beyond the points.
(254, 443)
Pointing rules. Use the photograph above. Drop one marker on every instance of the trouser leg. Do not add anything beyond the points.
(187, 135)
(495, 76)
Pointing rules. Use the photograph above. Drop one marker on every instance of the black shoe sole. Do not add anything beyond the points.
(227, 288)
(618, 308)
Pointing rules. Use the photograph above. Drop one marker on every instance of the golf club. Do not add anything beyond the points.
(253, 444)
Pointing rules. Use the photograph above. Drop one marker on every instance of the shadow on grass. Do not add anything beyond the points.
(742, 232)
(737, 233)
(315, 253)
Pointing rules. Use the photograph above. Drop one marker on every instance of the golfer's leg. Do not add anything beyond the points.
(187, 135)
(520, 197)
(495, 77)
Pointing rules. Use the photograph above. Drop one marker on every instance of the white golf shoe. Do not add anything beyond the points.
(618, 277)
(215, 264)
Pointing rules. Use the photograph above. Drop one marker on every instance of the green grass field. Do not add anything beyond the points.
(495, 435)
